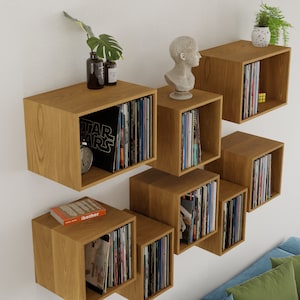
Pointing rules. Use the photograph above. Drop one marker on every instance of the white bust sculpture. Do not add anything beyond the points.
(184, 52)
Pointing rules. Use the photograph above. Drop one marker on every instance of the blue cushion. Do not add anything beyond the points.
(292, 245)
(260, 266)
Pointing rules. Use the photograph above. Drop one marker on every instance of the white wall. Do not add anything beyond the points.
(40, 50)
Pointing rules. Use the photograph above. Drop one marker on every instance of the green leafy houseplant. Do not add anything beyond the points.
(106, 46)
(273, 18)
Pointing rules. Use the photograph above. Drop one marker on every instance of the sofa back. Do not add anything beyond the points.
(287, 248)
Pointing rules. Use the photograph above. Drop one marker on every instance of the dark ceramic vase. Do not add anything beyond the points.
(94, 72)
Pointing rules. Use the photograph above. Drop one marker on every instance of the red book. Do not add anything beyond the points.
(77, 211)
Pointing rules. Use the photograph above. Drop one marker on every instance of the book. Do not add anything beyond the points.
(250, 89)
(96, 264)
(99, 130)
(77, 211)
(187, 209)
(196, 139)
(213, 199)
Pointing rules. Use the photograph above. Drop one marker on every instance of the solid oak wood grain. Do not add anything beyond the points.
(169, 129)
(157, 194)
(53, 131)
(228, 191)
(59, 252)
(147, 232)
(239, 150)
(221, 70)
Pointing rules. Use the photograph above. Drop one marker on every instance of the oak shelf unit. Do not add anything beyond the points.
(59, 253)
(157, 195)
(239, 151)
(53, 130)
(216, 243)
(221, 70)
(148, 231)
(169, 124)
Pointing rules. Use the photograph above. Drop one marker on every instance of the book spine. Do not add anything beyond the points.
(60, 217)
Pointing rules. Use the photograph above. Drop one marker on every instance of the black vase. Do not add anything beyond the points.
(94, 72)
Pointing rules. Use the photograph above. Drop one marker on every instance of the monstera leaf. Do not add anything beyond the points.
(106, 47)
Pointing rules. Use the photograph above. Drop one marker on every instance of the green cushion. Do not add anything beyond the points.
(296, 264)
(277, 284)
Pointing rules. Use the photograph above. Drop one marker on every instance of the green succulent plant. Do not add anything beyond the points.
(273, 18)
(104, 45)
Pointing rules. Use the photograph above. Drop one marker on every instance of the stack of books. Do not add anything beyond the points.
(157, 266)
(251, 89)
(108, 260)
(198, 212)
(119, 136)
(232, 221)
(261, 191)
(191, 146)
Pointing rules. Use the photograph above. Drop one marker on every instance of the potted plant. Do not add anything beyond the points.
(103, 47)
(271, 17)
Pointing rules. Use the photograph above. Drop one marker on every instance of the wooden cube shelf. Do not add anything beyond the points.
(221, 70)
(157, 195)
(52, 122)
(232, 219)
(148, 232)
(169, 129)
(59, 252)
(239, 151)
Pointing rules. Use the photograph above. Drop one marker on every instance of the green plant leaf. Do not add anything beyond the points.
(107, 47)
(83, 26)
(273, 17)
(93, 42)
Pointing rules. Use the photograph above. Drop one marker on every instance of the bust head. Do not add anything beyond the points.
(183, 51)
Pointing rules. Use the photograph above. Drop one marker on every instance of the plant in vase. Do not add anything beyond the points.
(102, 48)
(271, 19)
